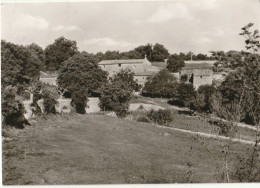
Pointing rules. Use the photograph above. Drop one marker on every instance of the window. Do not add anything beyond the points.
(200, 76)
(119, 64)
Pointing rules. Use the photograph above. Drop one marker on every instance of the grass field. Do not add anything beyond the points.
(193, 123)
(97, 149)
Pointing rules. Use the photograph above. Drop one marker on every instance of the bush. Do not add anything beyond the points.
(12, 109)
(127, 76)
(185, 94)
(161, 117)
(163, 85)
(49, 102)
(227, 129)
(144, 119)
(115, 96)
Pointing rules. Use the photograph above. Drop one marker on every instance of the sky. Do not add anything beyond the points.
(199, 26)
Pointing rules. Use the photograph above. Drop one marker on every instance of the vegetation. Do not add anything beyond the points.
(20, 65)
(163, 84)
(116, 94)
(49, 102)
(126, 76)
(175, 63)
(12, 109)
(204, 101)
(185, 95)
(58, 52)
(81, 77)
(161, 117)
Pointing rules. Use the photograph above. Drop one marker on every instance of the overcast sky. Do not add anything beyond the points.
(180, 25)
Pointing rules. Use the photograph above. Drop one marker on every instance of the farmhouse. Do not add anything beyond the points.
(142, 68)
(197, 72)
(50, 79)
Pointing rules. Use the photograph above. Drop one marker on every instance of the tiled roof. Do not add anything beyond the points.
(161, 65)
(199, 64)
(48, 75)
(122, 61)
(146, 73)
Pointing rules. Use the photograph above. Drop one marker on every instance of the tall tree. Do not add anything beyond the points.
(20, 65)
(175, 63)
(163, 84)
(61, 50)
(146, 51)
(81, 77)
(160, 53)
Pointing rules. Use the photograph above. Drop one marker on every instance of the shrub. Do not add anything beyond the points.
(12, 109)
(144, 119)
(79, 100)
(49, 102)
(163, 85)
(115, 96)
(185, 94)
(127, 76)
(161, 117)
(227, 129)
(208, 92)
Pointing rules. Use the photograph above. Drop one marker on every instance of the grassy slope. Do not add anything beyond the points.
(95, 149)
(191, 122)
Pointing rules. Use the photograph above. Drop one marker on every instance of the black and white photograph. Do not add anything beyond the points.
(130, 92)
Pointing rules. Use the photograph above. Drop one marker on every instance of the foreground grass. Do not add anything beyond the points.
(96, 149)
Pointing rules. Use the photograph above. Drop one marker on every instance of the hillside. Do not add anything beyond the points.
(96, 149)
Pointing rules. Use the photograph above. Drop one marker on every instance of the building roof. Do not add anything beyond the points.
(146, 73)
(48, 75)
(122, 61)
(199, 64)
(161, 65)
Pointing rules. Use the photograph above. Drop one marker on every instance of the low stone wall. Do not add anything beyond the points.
(93, 105)
(63, 106)
(146, 107)
(50, 81)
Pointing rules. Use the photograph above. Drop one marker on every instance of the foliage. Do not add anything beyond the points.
(115, 96)
(20, 65)
(244, 172)
(61, 50)
(185, 94)
(81, 77)
(49, 102)
(36, 90)
(79, 99)
(163, 84)
(159, 53)
(126, 76)
(146, 51)
(132, 54)
(225, 128)
(175, 63)
(207, 92)
(236, 98)
(144, 119)
(12, 109)
(161, 117)
(37, 54)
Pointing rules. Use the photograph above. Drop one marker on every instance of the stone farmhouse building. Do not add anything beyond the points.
(142, 68)
(50, 79)
(198, 72)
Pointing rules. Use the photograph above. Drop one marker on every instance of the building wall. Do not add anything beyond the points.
(51, 81)
(114, 68)
(200, 76)
(141, 79)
